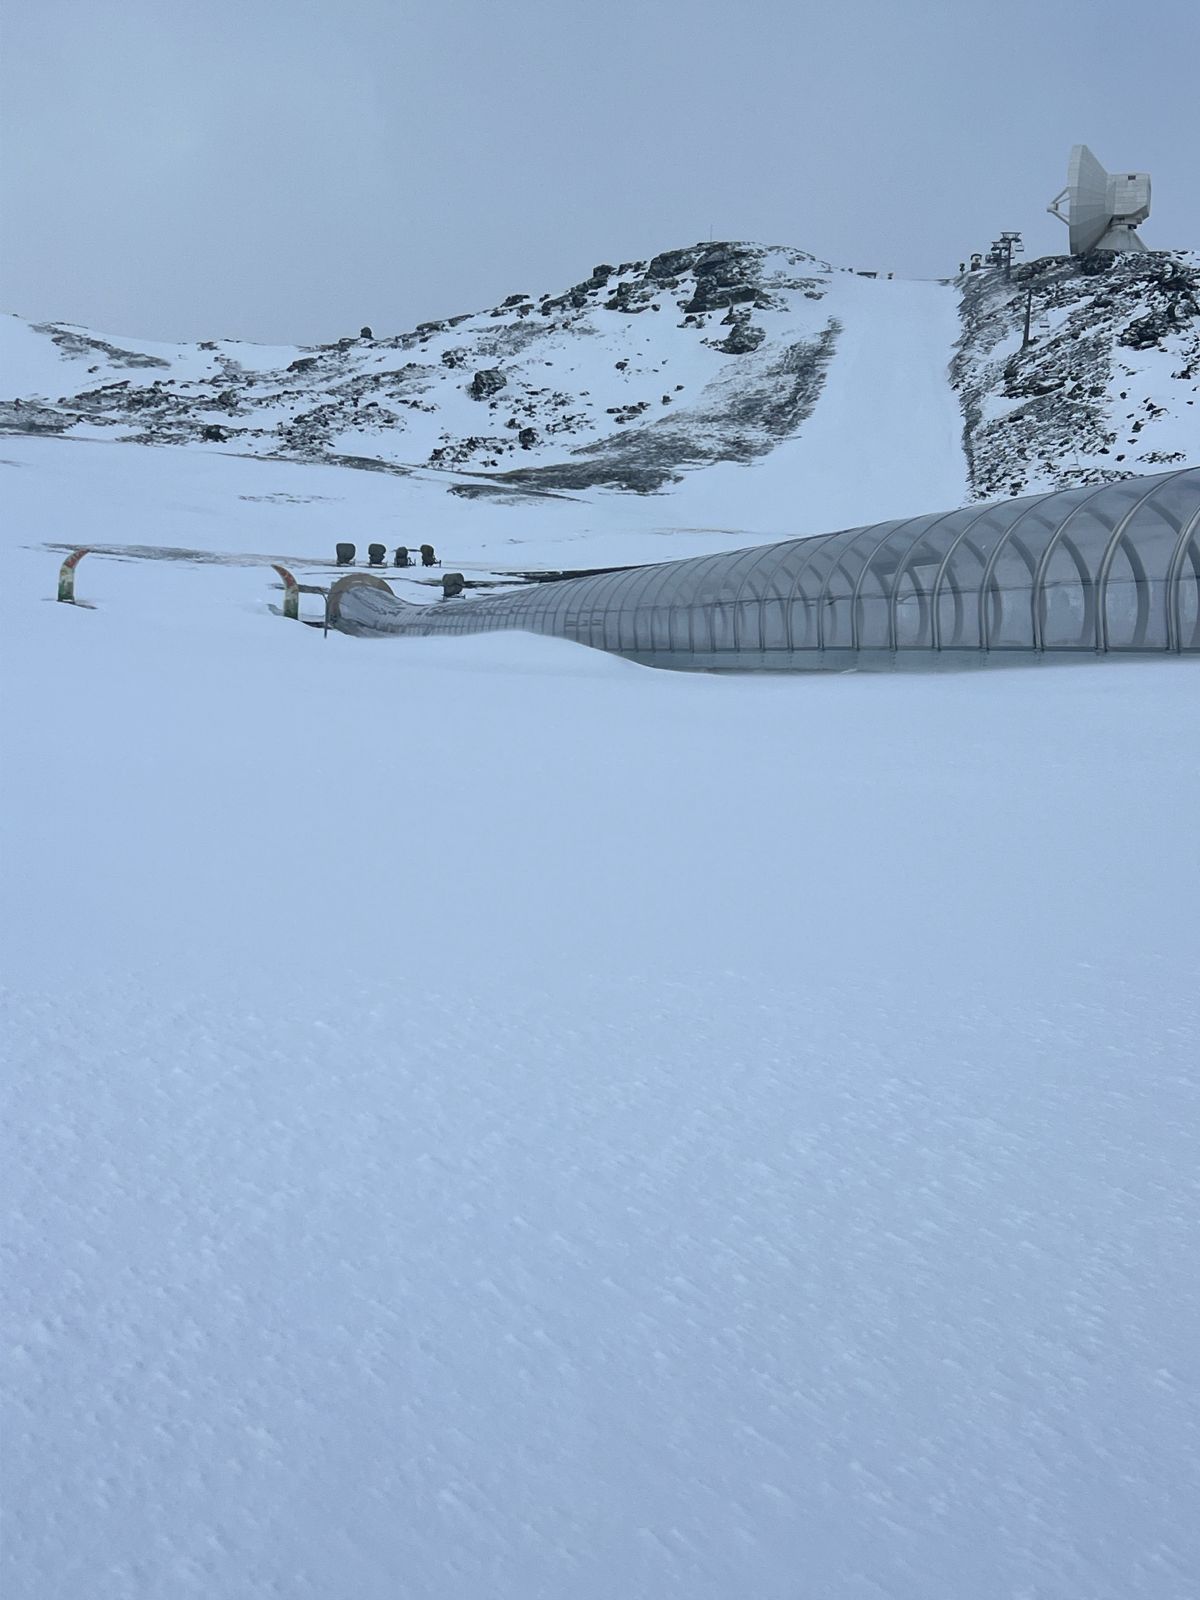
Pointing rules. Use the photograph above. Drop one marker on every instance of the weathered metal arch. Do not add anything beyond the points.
(291, 592)
(66, 576)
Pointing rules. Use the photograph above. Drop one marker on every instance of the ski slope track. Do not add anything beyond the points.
(887, 392)
(486, 1119)
(720, 380)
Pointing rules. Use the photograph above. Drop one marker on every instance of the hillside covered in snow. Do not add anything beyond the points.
(647, 375)
(482, 1120)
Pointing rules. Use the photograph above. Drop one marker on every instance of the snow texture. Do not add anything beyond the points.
(486, 1119)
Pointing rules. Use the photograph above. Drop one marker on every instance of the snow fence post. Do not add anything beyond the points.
(291, 593)
(66, 577)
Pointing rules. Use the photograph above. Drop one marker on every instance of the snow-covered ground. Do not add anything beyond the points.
(484, 1119)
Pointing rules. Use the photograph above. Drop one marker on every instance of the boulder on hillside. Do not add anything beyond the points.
(486, 383)
(743, 337)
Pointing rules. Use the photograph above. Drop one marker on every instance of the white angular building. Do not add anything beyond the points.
(1103, 208)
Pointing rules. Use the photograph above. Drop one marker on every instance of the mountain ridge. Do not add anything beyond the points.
(640, 374)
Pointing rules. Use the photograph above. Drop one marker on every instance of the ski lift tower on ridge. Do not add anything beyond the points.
(1103, 209)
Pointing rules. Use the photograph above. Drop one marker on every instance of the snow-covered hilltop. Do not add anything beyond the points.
(649, 370)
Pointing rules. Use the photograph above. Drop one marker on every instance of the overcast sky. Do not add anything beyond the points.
(286, 170)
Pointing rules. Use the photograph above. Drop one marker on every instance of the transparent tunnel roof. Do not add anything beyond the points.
(1112, 567)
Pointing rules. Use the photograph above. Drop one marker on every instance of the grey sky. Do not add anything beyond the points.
(286, 170)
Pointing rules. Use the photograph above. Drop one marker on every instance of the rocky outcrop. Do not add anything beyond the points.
(743, 416)
(74, 342)
(486, 383)
(1063, 408)
(639, 372)
(743, 336)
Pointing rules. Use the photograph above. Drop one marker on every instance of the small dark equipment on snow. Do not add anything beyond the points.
(401, 556)
(428, 559)
(453, 583)
(377, 555)
(345, 555)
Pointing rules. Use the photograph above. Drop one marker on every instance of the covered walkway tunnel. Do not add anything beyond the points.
(1109, 568)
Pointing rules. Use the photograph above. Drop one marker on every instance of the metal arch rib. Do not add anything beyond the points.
(902, 568)
(768, 550)
(936, 592)
(985, 632)
(858, 534)
(1191, 530)
(1039, 577)
(1109, 556)
(893, 529)
(703, 565)
(817, 542)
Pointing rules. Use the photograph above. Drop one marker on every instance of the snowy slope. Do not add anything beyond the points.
(693, 377)
(887, 421)
(486, 1119)
(1109, 384)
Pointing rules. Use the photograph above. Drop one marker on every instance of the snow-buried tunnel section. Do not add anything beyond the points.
(1105, 568)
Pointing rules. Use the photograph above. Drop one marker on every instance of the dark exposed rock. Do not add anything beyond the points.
(30, 417)
(726, 275)
(626, 298)
(486, 383)
(743, 337)
(1059, 429)
(768, 403)
(1096, 262)
(670, 264)
(74, 343)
